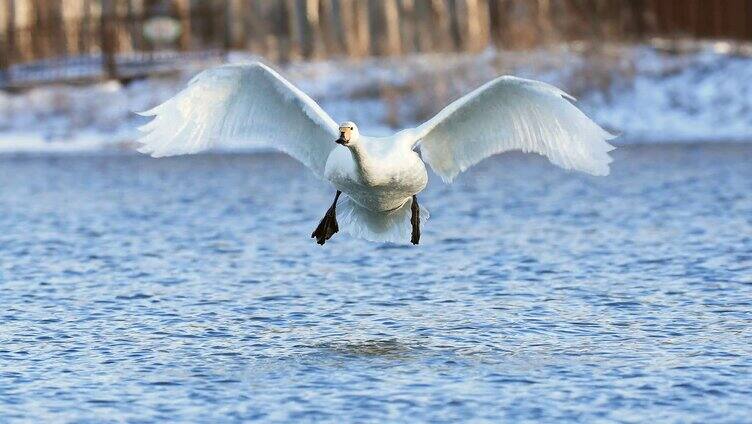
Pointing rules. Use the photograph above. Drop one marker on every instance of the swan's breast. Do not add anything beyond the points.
(397, 178)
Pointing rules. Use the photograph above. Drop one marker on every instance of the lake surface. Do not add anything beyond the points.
(188, 289)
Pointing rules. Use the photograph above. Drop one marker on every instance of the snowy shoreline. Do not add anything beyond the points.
(645, 93)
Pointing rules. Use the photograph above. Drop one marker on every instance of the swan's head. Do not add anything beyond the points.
(348, 134)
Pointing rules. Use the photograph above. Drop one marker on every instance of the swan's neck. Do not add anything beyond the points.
(363, 163)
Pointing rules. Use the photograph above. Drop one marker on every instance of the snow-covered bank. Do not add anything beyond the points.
(702, 93)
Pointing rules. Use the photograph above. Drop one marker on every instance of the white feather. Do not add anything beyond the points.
(384, 227)
(378, 176)
(511, 113)
(241, 103)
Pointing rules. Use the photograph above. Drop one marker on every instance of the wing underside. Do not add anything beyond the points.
(513, 114)
(241, 104)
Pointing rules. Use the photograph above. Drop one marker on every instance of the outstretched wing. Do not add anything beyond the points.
(241, 103)
(511, 113)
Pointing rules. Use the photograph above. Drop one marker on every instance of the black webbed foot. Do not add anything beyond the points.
(415, 221)
(328, 225)
(326, 229)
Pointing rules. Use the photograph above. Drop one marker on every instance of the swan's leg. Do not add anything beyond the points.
(415, 221)
(328, 225)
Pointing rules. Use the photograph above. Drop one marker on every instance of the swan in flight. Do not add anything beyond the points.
(377, 179)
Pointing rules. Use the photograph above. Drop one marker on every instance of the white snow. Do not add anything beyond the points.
(700, 97)
(648, 93)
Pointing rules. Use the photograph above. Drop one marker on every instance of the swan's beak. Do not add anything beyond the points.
(341, 140)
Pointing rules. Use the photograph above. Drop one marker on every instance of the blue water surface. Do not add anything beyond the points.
(188, 289)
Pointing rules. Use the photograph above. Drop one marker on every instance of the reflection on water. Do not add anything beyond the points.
(188, 289)
(387, 348)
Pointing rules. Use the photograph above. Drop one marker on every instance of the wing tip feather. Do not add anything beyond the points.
(147, 113)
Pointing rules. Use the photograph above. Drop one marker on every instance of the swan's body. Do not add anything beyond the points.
(379, 176)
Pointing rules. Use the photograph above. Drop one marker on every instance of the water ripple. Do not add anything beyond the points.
(187, 289)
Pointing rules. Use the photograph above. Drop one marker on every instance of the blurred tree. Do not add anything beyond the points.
(291, 29)
(360, 26)
(55, 24)
(84, 27)
(133, 33)
(393, 41)
(39, 41)
(183, 10)
(309, 37)
(328, 27)
(9, 46)
(108, 38)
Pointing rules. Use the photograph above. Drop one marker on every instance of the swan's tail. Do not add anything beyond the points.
(391, 226)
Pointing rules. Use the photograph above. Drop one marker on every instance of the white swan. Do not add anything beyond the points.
(380, 177)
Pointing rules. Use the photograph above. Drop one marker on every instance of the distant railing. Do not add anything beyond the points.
(87, 69)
